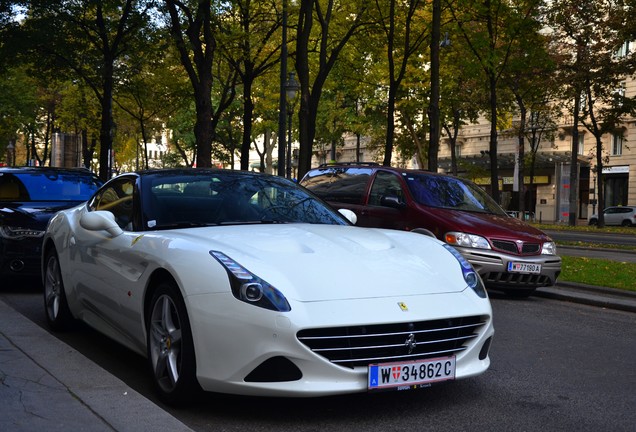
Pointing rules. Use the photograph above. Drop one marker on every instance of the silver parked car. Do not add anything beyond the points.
(617, 215)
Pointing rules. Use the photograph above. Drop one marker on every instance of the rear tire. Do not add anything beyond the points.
(171, 348)
(58, 314)
(626, 223)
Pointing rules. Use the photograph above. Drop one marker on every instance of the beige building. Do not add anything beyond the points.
(548, 196)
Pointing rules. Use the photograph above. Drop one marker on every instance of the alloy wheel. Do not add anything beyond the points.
(165, 343)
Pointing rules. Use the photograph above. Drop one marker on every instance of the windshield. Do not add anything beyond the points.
(47, 186)
(451, 193)
(232, 197)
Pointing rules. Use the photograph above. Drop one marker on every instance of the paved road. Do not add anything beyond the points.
(555, 366)
(593, 237)
(609, 254)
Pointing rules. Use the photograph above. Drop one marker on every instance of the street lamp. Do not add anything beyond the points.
(291, 88)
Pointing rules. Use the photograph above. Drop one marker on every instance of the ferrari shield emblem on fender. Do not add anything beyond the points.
(403, 306)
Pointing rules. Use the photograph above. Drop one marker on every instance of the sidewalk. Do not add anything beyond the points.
(45, 385)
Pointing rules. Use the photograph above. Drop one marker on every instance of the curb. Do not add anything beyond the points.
(591, 295)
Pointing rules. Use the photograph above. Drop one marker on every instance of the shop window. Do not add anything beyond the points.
(616, 189)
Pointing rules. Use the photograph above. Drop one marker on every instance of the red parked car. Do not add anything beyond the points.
(509, 254)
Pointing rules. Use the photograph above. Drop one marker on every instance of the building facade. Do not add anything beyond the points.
(547, 191)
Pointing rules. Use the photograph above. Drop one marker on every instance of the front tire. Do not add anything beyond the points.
(171, 348)
(58, 314)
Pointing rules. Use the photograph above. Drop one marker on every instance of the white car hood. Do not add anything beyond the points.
(329, 262)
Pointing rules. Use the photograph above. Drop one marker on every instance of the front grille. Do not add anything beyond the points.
(362, 345)
(511, 247)
(530, 248)
(507, 246)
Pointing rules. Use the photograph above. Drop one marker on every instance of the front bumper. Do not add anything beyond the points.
(21, 257)
(492, 266)
(240, 339)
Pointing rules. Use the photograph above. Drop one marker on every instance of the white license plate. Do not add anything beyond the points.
(520, 267)
(410, 375)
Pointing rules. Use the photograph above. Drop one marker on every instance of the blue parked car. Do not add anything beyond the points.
(29, 197)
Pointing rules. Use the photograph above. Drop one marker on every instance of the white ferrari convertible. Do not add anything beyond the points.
(243, 283)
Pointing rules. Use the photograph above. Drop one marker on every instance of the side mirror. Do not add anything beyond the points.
(100, 220)
(392, 201)
(349, 215)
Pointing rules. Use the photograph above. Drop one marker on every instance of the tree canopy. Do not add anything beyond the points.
(122, 72)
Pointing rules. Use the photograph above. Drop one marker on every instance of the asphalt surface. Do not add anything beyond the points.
(47, 385)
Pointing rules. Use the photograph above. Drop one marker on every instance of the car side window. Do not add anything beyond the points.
(12, 189)
(117, 199)
(339, 184)
(385, 184)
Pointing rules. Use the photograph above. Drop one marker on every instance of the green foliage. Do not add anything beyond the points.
(181, 124)
(355, 62)
(600, 272)
(18, 102)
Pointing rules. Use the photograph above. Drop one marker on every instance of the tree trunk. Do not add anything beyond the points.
(106, 131)
(494, 172)
(305, 135)
(574, 164)
(248, 112)
(600, 186)
(203, 126)
(520, 192)
(197, 58)
(390, 128)
(433, 108)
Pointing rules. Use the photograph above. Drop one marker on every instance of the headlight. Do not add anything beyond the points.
(249, 288)
(549, 248)
(17, 233)
(466, 240)
(470, 275)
